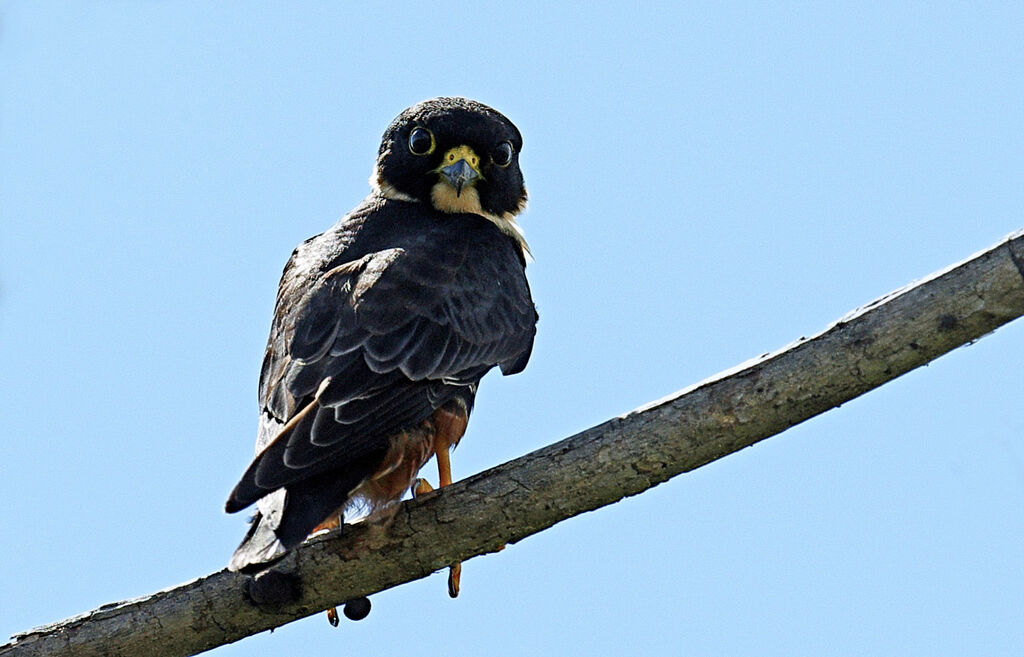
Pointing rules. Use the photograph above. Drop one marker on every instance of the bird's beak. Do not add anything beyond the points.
(462, 171)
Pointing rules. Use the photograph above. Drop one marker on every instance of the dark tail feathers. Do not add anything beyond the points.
(288, 515)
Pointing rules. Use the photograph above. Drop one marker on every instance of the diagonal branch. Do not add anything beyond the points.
(623, 456)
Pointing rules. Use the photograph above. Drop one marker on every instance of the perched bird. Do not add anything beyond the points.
(384, 326)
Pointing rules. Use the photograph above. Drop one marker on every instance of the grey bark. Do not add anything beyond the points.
(621, 457)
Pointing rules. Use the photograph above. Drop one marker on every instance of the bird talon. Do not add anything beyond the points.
(332, 616)
(421, 487)
(333, 521)
(454, 580)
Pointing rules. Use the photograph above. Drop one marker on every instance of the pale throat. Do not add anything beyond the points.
(444, 199)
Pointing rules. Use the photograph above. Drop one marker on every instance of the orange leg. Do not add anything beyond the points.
(442, 443)
(444, 473)
(421, 487)
(333, 522)
(449, 425)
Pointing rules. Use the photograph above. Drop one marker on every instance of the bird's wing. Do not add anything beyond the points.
(378, 343)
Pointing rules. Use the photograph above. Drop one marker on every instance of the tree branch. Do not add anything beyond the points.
(623, 456)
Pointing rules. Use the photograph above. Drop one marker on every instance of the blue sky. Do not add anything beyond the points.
(708, 182)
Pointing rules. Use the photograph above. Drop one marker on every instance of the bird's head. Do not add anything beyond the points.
(455, 154)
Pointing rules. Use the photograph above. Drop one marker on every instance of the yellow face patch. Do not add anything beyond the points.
(461, 153)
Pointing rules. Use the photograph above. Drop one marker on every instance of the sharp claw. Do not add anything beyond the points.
(454, 580)
(421, 487)
(332, 616)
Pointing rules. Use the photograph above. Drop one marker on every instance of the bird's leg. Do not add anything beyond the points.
(450, 423)
(444, 473)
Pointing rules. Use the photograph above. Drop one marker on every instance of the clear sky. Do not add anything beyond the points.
(708, 182)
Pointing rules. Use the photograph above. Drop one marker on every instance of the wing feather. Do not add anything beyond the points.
(400, 318)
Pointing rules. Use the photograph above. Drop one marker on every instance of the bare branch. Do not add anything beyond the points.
(623, 456)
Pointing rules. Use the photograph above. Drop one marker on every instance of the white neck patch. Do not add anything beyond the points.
(444, 198)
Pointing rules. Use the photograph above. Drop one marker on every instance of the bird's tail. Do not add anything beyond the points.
(288, 515)
(261, 545)
(260, 548)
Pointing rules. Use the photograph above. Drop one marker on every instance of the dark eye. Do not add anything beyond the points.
(421, 141)
(503, 154)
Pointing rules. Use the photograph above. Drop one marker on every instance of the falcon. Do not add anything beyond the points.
(384, 326)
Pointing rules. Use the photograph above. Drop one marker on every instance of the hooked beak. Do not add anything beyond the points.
(461, 168)
(459, 175)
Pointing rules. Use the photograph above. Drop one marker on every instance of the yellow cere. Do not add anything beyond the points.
(462, 153)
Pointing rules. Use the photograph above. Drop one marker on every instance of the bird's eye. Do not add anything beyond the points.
(421, 141)
(503, 154)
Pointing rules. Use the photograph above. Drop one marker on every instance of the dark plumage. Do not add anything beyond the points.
(386, 323)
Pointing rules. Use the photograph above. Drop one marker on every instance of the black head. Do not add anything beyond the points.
(456, 154)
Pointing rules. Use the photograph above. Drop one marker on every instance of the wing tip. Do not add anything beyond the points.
(233, 505)
(243, 495)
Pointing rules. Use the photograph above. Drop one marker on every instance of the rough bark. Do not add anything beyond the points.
(623, 456)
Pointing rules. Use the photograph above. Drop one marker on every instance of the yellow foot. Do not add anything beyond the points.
(421, 487)
(333, 521)
(454, 579)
